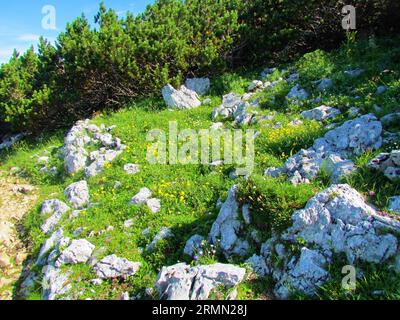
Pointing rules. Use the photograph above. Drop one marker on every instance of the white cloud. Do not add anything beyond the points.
(28, 37)
(6, 52)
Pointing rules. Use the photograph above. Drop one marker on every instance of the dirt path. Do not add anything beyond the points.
(16, 199)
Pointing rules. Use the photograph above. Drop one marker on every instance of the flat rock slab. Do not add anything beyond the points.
(115, 267)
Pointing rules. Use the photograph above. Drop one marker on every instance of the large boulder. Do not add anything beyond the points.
(335, 221)
(183, 98)
(182, 282)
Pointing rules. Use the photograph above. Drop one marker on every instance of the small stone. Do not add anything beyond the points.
(154, 205)
(131, 168)
(193, 245)
(141, 198)
(162, 235)
(129, 223)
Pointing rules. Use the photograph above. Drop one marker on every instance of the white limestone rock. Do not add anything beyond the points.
(256, 84)
(55, 283)
(338, 219)
(182, 282)
(306, 275)
(56, 209)
(78, 194)
(183, 98)
(230, 103)
(79, 251)
(227, 226)
(354, 137)
(142, 196)
(320, 113)
(114, 267)
(154, 205)
(131, 168)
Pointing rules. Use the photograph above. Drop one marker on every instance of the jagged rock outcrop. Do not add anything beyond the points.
(337, 220)
(182, 282)
(183, 98)
(78, 194)
(354, 137)
(227, 226)
(54, 210)
(82, 135)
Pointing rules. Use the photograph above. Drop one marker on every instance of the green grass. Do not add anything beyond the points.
(189, 193)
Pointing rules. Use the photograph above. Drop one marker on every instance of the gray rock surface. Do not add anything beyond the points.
(142, 196)
(297, 94)
(56, 209)
(320, 113)
(131, 168)
(164, 233)
(332, 151)
(78, 194)
(227, 227)
(334, 221)
(115, 267)
(182, 282)
(394, 204)
(183, 98)
(55, 283)
(193, 245)
(79, 251)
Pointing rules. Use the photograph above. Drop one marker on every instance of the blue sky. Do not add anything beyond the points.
(21, 20)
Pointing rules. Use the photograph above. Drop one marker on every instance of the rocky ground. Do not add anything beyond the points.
(17, 197)
(324, 193)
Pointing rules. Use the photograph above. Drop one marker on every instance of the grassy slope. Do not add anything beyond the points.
(189, 193)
